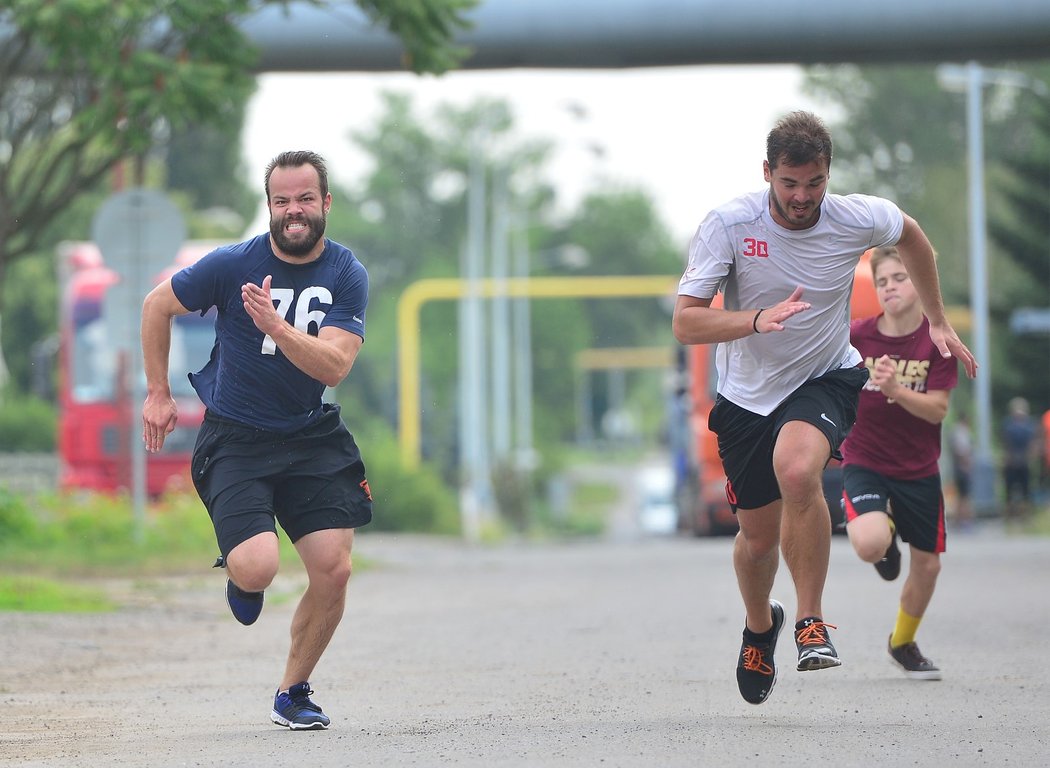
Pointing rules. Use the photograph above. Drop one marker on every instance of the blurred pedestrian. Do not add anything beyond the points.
(1019, 433)
(960, 445)
(1044, 458)
(291, 320)
(891, 478)
(788, 378)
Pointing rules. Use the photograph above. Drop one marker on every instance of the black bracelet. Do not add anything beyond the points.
(754, 323)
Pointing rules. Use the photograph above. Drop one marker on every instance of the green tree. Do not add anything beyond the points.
(901, 135)
(407, 220)
(1021, 229)
(86, 84)
(29, 292)
(426, 29)
(620, 233)
(32, 301)
(204, 163)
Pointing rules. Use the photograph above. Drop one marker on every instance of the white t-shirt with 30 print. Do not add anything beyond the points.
(739, 250)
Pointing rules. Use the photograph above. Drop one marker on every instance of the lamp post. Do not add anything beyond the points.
(972, 78)
(475, 495)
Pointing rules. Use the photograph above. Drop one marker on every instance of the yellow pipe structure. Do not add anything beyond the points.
(610, 358)
(420, 292)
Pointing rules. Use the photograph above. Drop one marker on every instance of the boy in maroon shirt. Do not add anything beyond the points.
(892, 484)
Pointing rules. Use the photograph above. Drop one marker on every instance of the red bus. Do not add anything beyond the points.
(97, 420)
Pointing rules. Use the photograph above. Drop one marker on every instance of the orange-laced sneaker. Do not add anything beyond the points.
(754, 661)
(813, 641)
(756, 669)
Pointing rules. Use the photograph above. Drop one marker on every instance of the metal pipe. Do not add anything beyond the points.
(506, 34)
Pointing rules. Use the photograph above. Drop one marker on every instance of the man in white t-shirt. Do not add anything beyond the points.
(788, 378)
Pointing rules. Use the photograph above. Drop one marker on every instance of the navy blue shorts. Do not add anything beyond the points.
(746, 439)
(250, 479)
(916, 506)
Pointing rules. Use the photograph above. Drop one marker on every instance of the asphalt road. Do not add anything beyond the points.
(606, 653)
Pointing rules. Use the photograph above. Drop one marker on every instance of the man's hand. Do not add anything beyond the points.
(772, 318)
(259, 306)
(159, 415)
(947, 341)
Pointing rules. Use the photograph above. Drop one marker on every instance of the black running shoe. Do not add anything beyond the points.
(294, 710)
(815, 650)
(889, 567)
(756, 669)
(916, 666)
(245, 606)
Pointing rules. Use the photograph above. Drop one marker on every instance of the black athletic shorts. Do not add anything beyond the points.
(746, 439)
(249, 479)
(916, 506)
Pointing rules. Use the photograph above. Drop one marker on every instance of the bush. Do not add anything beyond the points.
(27, 425)
(88, 533)
(84, 533)
(407, 500)
(16, 521)
(513, 490)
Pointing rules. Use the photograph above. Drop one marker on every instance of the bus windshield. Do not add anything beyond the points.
(95, 360)
(192, 338)
(94, 365)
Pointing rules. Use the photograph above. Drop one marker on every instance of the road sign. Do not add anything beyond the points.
(138, 227)
(139, 232)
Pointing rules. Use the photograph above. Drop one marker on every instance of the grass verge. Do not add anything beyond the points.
(40, 595)
(55, 547)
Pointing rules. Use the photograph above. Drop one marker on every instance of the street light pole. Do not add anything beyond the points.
(983, 471)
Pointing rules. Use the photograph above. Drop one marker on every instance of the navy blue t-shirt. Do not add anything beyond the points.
(248, 379)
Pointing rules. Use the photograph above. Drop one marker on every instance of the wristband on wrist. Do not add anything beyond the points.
(754, 323)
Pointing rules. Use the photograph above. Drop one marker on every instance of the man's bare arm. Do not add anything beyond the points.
(159, 412)
(696, 322)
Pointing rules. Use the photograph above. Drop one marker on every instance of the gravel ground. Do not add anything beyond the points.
(611, 653)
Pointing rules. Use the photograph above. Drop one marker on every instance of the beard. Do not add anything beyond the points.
(788, 214)
(300, 243)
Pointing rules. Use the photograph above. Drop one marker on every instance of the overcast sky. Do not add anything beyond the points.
(693, 137)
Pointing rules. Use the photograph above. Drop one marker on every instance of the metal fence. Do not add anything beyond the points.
(29, 472)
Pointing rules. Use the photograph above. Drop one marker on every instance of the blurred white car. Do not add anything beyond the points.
(657, 513)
